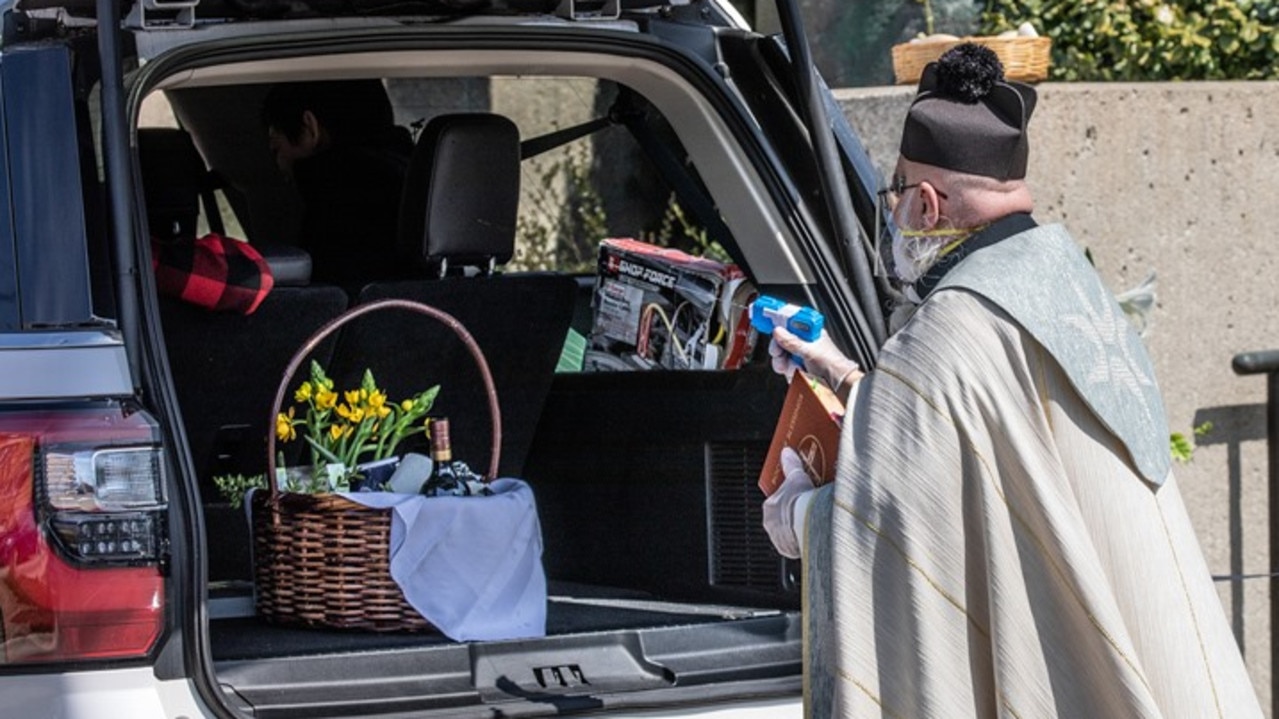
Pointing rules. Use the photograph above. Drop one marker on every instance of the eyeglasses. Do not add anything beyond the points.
(892, 194)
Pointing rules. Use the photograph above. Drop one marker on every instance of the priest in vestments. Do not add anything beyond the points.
(1005, 536)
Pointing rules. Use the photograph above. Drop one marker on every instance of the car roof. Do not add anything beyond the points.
(281, 9)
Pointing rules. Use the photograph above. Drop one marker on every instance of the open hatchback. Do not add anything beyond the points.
(634, 401)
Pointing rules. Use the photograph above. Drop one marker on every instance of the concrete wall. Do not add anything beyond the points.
(1182, 179)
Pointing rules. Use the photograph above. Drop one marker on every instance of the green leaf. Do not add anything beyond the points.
(324, 451)
(233, 486)
(1149, 39)
(1182, 449)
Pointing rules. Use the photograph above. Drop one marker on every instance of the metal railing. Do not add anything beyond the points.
(1267, 363)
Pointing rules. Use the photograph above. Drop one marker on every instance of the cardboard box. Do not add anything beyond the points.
(810, 424)
(660, 308)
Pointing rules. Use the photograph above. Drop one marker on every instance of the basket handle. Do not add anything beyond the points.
(330, 327)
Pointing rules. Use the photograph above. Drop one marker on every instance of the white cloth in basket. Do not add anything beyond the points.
(472, 566)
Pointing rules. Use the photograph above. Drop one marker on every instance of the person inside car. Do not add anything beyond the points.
(339, 144)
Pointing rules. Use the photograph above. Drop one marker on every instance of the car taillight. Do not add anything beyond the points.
(103, 503)
(82, 534)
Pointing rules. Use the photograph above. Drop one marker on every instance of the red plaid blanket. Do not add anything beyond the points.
(216, 272)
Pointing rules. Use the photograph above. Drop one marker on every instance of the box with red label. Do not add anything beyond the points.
(660, 308)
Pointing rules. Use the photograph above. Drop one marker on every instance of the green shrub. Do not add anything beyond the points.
(1149, 39)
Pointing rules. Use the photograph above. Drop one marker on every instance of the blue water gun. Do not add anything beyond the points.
(805, 323)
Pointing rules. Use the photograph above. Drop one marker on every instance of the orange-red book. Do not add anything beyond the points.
(809, 423)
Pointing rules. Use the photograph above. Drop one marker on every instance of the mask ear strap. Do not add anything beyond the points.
(876, 243)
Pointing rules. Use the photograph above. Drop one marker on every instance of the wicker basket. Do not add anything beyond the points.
(324, 561)
(1024, 58)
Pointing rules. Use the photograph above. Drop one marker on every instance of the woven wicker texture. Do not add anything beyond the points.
(321, 560)
(1025, 59)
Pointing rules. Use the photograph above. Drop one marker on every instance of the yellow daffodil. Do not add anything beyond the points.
(350, 413)
(334, 417)
(284, 430)
(325, 398)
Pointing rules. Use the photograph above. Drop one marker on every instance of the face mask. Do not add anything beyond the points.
(914, 251)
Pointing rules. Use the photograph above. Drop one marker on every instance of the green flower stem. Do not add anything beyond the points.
(323, 454)
(391, 430)
(401, 435)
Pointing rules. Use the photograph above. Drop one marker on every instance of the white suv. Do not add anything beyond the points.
(126, 577)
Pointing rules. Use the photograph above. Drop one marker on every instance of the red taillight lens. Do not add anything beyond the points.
(79, 545)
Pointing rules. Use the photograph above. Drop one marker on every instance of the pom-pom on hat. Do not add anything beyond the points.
(966, 117)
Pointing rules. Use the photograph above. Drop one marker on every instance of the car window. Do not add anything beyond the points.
(157, 111)
(597, 190)
(574, 194)
(601, 165)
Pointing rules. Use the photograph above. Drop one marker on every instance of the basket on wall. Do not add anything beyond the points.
(321, 560)
(1024, 58)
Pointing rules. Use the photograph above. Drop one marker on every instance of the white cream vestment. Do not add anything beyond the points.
(1005, 537)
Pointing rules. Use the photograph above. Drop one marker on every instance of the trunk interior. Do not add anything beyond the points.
(662, 583)
(659, 575)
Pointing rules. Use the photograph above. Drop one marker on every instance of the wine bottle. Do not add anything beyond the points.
(443, 479)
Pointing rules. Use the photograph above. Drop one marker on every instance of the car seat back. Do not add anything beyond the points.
(459, 210)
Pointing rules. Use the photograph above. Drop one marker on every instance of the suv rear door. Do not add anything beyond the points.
(746, 653)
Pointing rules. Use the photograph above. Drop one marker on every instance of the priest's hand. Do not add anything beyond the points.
(784, 509)
(821, 358)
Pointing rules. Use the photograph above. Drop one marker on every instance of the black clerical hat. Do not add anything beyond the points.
(966, 117)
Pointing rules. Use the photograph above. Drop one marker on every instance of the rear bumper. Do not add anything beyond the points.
(769, 709)
(106, 694)
(137, 694)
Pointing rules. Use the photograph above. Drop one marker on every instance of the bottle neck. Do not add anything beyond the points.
(441, 447)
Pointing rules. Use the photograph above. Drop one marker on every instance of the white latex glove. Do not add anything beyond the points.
(779, 509)
(822, 359)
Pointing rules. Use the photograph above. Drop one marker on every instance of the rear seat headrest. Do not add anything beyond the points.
(172, 177)
(462, 192)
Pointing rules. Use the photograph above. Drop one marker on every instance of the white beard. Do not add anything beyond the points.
(914, 254)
